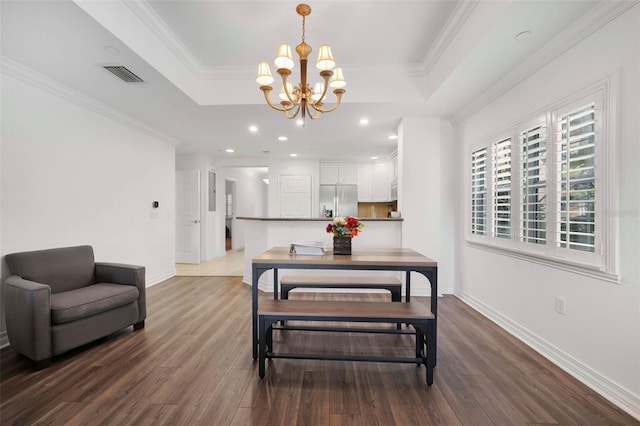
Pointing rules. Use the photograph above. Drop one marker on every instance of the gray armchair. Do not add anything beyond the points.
(59, 299)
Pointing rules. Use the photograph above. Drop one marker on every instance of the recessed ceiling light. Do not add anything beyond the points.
(364, 121)
(374, 158)
(392, 137)
(253, 129)
(111, 50)
(229, 150)
(282, 138)
(523, 36)
(293, 155)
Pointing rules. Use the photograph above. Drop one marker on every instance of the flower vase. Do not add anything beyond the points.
(342, 245)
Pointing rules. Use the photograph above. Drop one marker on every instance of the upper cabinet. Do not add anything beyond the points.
(333, 173)
(380, 181)
(364, 177)
(373, 179)
(394, 168)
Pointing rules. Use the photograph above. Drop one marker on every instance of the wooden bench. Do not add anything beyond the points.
(390, 284)
(413, 313)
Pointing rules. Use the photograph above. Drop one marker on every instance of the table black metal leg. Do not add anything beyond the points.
(407, 287)
(275, 284)
(255, 277)
(254, 313)
(431, 350)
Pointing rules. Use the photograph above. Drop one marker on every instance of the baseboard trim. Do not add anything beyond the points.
(158, 278)
(4, 340)
(616, 394)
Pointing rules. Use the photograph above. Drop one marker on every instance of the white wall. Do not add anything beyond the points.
(425, 195)
(599, 338)
(73, 176)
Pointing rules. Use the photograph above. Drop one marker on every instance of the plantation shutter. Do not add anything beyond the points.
(479, 192)
(501, 188)
(576, 179)
(533, 185)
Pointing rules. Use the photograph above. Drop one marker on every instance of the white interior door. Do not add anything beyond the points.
(188, 216)
(295, 196)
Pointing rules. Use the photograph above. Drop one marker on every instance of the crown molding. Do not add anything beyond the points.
(159, 28)
(456, 21)
(156, 24)
(20, 72)
(143, 11)
(600, 15)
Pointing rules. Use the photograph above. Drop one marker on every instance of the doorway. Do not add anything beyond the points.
(246, 195)
(188, 243)
(229, 197)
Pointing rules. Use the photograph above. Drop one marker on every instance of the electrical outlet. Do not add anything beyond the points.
(561, 305)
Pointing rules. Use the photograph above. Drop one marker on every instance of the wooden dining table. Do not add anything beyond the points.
(373, 259)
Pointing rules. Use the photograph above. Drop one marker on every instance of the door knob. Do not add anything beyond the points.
(196, 221)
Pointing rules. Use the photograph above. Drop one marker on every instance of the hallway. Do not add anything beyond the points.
(232, 264)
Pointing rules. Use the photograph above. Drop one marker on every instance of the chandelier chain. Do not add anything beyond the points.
(303, 21)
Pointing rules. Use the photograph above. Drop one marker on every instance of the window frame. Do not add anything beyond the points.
(473, 222)
(602, 261)
(540, 120)
(496, 145)
(597, 256)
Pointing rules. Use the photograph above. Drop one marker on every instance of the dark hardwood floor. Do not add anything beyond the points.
(192, 365)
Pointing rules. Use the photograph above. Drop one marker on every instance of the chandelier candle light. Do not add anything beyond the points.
(302, 99)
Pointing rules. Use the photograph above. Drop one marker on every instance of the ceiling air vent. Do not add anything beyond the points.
(123, 73)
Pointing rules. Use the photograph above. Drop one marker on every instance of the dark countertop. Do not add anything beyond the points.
(317, 219)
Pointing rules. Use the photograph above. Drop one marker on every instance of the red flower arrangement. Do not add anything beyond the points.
(345, 226)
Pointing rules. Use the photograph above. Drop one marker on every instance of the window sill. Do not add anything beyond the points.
(562, 264)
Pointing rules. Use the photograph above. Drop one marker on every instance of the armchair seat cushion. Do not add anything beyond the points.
(86, 301)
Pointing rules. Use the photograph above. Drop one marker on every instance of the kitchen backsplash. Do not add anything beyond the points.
(377, 210)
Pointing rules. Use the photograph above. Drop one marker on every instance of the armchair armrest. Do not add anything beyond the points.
(28, 316)
(120, 273)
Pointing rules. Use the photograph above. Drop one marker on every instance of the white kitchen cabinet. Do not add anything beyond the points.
(347, 173)
(332, 173)
(380, 179)
(394, 167)
(328, 173)
(364, 179)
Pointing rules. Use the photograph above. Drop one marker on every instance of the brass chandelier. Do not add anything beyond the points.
(302, 99)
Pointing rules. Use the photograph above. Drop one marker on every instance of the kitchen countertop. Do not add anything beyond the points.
(318, 219)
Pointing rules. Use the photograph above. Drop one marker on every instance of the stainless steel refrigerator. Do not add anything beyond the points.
(338, 200)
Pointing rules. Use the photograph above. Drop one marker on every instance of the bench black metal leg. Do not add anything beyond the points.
(265, 346)
(262, 346)
(284, 291)
(269, 338)
(425, 333)
(284, 295)
(419, 342)
(396, 296)
(421, 329)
